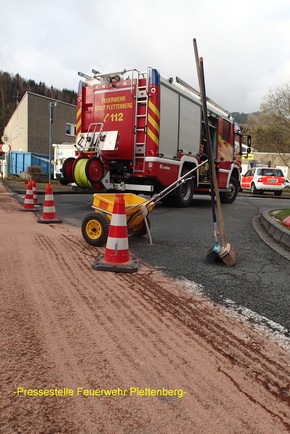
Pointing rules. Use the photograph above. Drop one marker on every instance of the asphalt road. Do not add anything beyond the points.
(182, 238)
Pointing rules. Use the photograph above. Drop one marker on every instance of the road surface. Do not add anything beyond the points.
(258, 285)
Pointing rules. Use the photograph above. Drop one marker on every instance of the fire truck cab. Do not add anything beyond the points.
(140, 131)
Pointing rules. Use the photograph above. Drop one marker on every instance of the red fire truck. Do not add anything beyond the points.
(140, 131)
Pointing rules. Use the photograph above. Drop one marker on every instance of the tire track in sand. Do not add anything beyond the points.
(236, 350)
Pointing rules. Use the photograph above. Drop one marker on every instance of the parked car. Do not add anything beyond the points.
(260, 179)
(287, 182)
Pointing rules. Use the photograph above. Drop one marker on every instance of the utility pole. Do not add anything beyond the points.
(52, 107)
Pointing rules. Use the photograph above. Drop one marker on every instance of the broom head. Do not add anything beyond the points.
(228, 255)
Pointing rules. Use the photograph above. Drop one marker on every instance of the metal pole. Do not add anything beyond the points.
(52, 106)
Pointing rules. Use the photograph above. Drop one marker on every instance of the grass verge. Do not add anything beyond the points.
(279, 215)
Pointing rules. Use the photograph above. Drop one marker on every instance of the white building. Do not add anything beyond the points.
(29, 126)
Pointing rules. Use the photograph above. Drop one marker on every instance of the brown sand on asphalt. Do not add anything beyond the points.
(175, 362)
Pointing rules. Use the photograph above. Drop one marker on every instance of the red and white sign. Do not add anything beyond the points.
(5, 147)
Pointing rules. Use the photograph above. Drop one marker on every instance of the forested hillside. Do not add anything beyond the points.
(13, 88)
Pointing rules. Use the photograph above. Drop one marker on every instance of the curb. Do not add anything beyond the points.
(277, 232)
(268, 239)
(41, 190)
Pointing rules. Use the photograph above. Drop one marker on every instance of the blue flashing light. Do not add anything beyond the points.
(155, 77)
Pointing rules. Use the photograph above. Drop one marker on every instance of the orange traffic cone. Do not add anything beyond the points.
(117, 256)
(49, 214)
(35, 198)
(286, 222)
(28, 200)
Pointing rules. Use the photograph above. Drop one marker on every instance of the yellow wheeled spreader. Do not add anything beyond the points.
(95, 226)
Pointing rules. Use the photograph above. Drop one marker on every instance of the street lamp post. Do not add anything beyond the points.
(52, 107)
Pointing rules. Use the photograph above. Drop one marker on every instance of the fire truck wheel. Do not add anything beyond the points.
(232, 192)
(67, 169)
(63, 182)
(95, 229)
(184, 192)
(141, 230)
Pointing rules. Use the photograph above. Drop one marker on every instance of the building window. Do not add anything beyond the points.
(70, 129)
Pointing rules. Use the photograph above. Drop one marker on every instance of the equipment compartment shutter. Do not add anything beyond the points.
(168, 122)
(190, 122)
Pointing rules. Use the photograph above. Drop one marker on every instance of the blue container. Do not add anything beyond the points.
(19, 161)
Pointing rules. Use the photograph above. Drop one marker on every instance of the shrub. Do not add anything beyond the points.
(34, 170)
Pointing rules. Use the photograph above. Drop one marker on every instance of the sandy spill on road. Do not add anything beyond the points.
(176, 362)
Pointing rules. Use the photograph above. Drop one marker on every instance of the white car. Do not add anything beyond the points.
(260, 179)
(287, 182)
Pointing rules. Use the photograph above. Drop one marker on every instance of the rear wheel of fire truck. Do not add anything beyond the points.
(94, 170)
(141, 230)
(95, 229)
(182, 196)
(231, 194)
(184, 192)
(63, 181)
(67, 169)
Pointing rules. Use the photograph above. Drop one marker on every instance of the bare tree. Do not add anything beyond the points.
(272, 133)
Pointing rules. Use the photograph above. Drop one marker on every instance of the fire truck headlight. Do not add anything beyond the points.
(150, 165)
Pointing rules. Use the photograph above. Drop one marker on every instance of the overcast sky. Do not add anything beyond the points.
(245, 44)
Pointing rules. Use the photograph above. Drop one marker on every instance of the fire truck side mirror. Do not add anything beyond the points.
(249, 141)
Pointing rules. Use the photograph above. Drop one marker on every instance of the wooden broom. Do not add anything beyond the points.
(227, 254)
